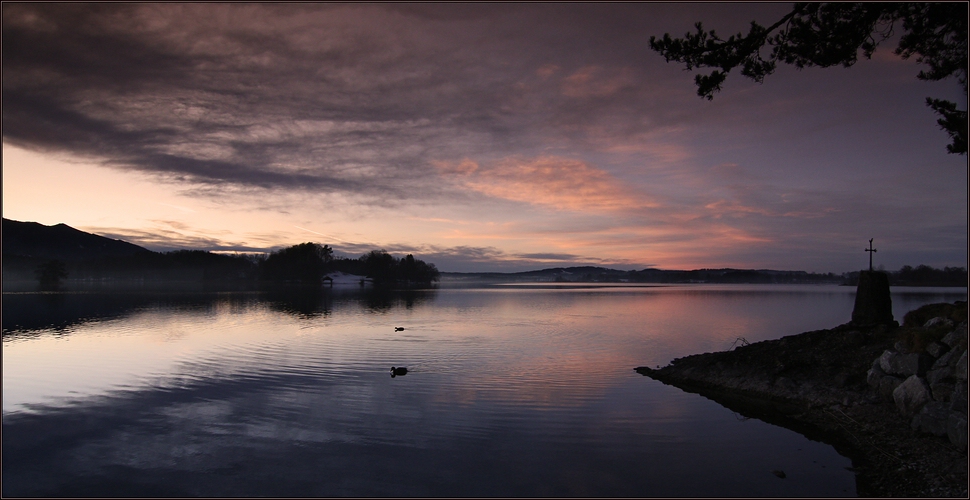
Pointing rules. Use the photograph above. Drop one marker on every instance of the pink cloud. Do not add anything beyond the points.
(559, 183)
(547, 70)
(594, 81)
(749, 204)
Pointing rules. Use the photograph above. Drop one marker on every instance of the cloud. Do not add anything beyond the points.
(316, 98)
(556, 121)
(491, 259)
(162, 240)
(558, 183)
(590, 81)
(547, 70)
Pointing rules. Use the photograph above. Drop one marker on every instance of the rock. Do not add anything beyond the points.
(885, 361)
(937, 349)
(948, 359)
(958, 398)
(932, 419)
(960, 370)
(941, 391)
(887, 386)
(905, 365)
(911, 395)
(873, 305)
(956, 430)
(938, 375)
(874, 375)
(953, 338)
(902, 347)
(938, 321)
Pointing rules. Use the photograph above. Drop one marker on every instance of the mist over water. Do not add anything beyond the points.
(510, 391)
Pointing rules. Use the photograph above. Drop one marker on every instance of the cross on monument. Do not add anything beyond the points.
(870, 250)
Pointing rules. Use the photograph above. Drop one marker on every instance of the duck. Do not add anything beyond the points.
(398, 371)
(398, 328)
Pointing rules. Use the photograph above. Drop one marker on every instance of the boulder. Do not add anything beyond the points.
(956, 430)
(960, 370)
(946, 360)
(873, 305)
(953, 338)
(885, 361)
(905, 365)
(958, 398)
(911, 395)
(938, 375)
(937, 349)
(941, 391)
(932, 419)
(902, 347)
(938, 321)
(874, 375)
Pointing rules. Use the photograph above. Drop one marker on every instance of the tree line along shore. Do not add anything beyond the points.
(46, 256)
(303, 264)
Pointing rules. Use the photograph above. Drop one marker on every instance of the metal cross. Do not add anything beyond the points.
(870, 250)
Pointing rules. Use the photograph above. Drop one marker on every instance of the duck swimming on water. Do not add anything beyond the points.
(398, 328)
(398, 371)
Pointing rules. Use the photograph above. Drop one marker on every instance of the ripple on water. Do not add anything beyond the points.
(532, 386)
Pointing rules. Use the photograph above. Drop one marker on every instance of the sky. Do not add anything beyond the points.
(479, 137)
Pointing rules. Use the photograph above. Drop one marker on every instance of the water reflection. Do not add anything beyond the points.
(27, 314)
(287, 393)
(305, 303)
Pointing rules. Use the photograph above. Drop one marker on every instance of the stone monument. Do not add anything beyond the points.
(873, 305)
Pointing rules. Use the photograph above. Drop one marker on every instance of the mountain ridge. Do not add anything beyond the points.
(61, 242)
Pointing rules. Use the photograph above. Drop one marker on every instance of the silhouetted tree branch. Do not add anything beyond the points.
(829, 34)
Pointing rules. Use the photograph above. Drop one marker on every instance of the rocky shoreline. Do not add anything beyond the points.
(891, 398)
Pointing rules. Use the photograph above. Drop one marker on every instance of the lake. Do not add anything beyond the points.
(514, 390)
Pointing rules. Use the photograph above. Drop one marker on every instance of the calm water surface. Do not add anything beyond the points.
(511, 391)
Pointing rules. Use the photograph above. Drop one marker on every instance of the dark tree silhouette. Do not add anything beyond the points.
(380, 266)
(926, 275)
(829, 34)
(385, 269)
(305, 263)
(412, 270)
(50, 274)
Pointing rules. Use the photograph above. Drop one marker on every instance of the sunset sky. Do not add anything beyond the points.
(480, 137)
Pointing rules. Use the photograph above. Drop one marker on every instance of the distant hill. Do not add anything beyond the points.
(86, 257)
(589, 274)
(907, 276)
(61, 242)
